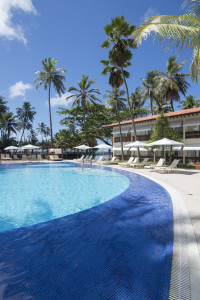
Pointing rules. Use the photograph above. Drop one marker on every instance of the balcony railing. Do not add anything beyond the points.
(192, 134)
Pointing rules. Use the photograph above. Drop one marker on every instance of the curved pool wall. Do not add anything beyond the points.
(121, 249)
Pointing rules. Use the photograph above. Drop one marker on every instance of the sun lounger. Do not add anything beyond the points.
(100, 160)
(128, 162)
(39, 157)
(88, 159)
(24, 158)
(107, 162)
(33, 157)
(159, 164)
(173, 166)
(15, 156)
(5, 156)
(55, 157)
(79, 159)
(142, 164)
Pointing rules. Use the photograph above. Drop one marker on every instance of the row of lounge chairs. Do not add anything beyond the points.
(32, 157)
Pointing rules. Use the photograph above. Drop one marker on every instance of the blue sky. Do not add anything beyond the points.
(72, 32)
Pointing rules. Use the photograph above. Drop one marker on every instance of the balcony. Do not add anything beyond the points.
(192, 135)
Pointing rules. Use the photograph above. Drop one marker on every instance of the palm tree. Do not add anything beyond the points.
(149, 89)
(3, 107)
(48, 77)
(85, 95)
(173, 82)
(136, 99)
(189, 102)
(25, 115)
(120, 55)
(47, 133)
(41, 129)
(115, 102)
(32, 137)
(9, 123)
(176, 31)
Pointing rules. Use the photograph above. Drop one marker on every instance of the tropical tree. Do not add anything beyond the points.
(136, 99)
(120, 55)
(115, 101)
(177, 32)
(32, 137)
(41, 130)
(149, 89)
(173, 82)
(3, 107)
(9, 124)
(25, 115)
(51, 76)
(189, 102)
(47, 133)
(85, 95)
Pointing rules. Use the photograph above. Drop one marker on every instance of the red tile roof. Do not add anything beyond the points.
(149, 118)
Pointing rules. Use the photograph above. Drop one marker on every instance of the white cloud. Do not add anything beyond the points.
(8, 29)
(56, 101)
(19, 89)
(150, 12)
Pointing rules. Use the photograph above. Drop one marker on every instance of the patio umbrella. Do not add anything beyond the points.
(137, 144)
(165, 142)
(11, 148)
(83, 147)
(29, 147)
(103, 146)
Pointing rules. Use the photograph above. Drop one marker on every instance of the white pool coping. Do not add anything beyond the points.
(185, 277)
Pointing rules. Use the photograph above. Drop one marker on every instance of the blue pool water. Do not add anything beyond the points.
(31, 194)
(118, 250)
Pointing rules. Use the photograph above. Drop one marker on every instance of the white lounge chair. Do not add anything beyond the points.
(55, 157)
(89, 158)
(79, 159)
(159, 164)
(173, 166)
(33, 157)
(142, 164)
(24, 158)
(107, 162)
(128, 162)
(15, 156)
(100, 160)
(135, 162)
(39, 157)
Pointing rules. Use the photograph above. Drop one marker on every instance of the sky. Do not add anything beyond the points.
(72, 32)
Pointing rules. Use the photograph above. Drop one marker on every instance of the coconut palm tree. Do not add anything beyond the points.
(25, 115)
(173, 82)
(47, 133)
(176, 31)
(41, 129)
(116, 81)
(189, 102)
(120, 55)
(9, 123)
(85, 95)
(149, 89)
(136, 99)
(115, 101)
(3, 107)
(51, 76)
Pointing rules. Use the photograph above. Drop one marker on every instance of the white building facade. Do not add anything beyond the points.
(186, 122)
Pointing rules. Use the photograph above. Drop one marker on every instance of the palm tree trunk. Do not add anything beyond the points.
(172, 105)
(120, 129)
(21, 136)
(131, 113)
(50, 115)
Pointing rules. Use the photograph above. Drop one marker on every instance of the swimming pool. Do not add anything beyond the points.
(31, 194)
(120, 249)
